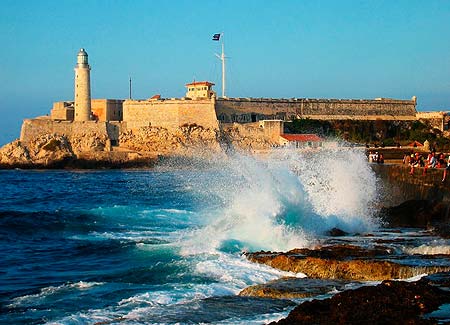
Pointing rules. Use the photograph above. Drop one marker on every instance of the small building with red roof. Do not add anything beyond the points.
(301, 140)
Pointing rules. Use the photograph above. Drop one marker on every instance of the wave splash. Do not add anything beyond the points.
(284, 200)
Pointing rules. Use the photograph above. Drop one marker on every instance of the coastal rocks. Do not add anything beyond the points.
(45, 151)
(290, 287)
(342, 262)
(162, 140)
(391, 302)
(416, 213)
(89, 142)
(14, 153)
(336, 232)
(441, 229)
(49, 149)
(239, 137)
(81, 151)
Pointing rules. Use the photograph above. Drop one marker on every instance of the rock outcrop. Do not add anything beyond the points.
(45, 151)
(157, 139)
(416, 213)
(82, 149)
(236, 137)
(342, 262)
(391, 302)
(290, 287)
(59, 151)
(89, 142)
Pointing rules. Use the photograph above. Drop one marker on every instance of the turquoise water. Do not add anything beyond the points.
(165, 246)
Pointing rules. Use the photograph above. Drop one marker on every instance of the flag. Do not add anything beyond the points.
(216, 37)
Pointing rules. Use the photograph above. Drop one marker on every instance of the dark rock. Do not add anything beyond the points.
(290, 287)
(441, 229)
(343, 252)
(391, 302)
(441, 280)
(415, 214)
(336, 232)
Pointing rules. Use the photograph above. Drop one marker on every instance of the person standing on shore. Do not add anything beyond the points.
(446, 169)
(430, 163)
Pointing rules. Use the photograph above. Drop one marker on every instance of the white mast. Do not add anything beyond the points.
(222, 58)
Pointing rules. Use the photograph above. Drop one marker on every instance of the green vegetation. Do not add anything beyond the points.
(378, 132)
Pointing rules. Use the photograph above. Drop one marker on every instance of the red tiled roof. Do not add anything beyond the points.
(197, 83)
(302, 137)
(417, 143)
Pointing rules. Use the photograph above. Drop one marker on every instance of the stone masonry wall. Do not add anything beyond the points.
(169, 114)
(253, 109)
(34, 128)
(435, 119)
(397, 185)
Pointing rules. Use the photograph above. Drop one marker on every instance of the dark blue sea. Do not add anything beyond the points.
(164, 246)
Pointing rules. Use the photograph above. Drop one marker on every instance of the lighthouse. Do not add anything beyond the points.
(82, 87)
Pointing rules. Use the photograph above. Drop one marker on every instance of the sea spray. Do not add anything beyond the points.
(164, 245)
(340, 186)
(283, 200)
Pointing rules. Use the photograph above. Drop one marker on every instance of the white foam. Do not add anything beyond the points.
(428, 250)
(413, 278)
(47, 292)
(238, 273)
(285, 200)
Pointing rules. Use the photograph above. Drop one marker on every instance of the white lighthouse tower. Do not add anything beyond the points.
(82, 87)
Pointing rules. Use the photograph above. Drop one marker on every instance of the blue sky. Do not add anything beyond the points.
(312, 49)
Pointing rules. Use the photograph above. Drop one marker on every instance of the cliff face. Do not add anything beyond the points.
(43, 151)
(157, 139)
(136, 148)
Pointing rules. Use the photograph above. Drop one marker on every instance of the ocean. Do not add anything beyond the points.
(164, 245)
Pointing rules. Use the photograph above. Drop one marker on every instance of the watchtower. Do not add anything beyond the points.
(200, 89)
(82, 87)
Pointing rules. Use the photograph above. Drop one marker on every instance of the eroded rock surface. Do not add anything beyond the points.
(290, 287)
(416, 213)
(47, 150)
(158, 139)
(346, 262)
(391, 302)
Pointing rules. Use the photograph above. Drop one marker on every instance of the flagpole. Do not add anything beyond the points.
(223, 68)
(221, 57)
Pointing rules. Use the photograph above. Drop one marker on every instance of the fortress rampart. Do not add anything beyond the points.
(170, 113)
(247, 110)
(34, 128)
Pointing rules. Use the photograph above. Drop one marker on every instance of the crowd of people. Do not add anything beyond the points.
(433, 160)
(418, 159)
(376, 157)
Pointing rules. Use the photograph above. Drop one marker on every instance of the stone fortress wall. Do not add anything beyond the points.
(214, 113)
(34, 128)
(169, 113)
(438, 120)
(248, 110)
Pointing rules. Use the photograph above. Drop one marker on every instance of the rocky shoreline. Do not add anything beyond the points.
(345, 261)
(340, 265)
(391, 302)
(336, 265)
(138, 149)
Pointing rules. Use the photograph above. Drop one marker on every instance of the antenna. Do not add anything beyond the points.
(130, 88)
(222, 57)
